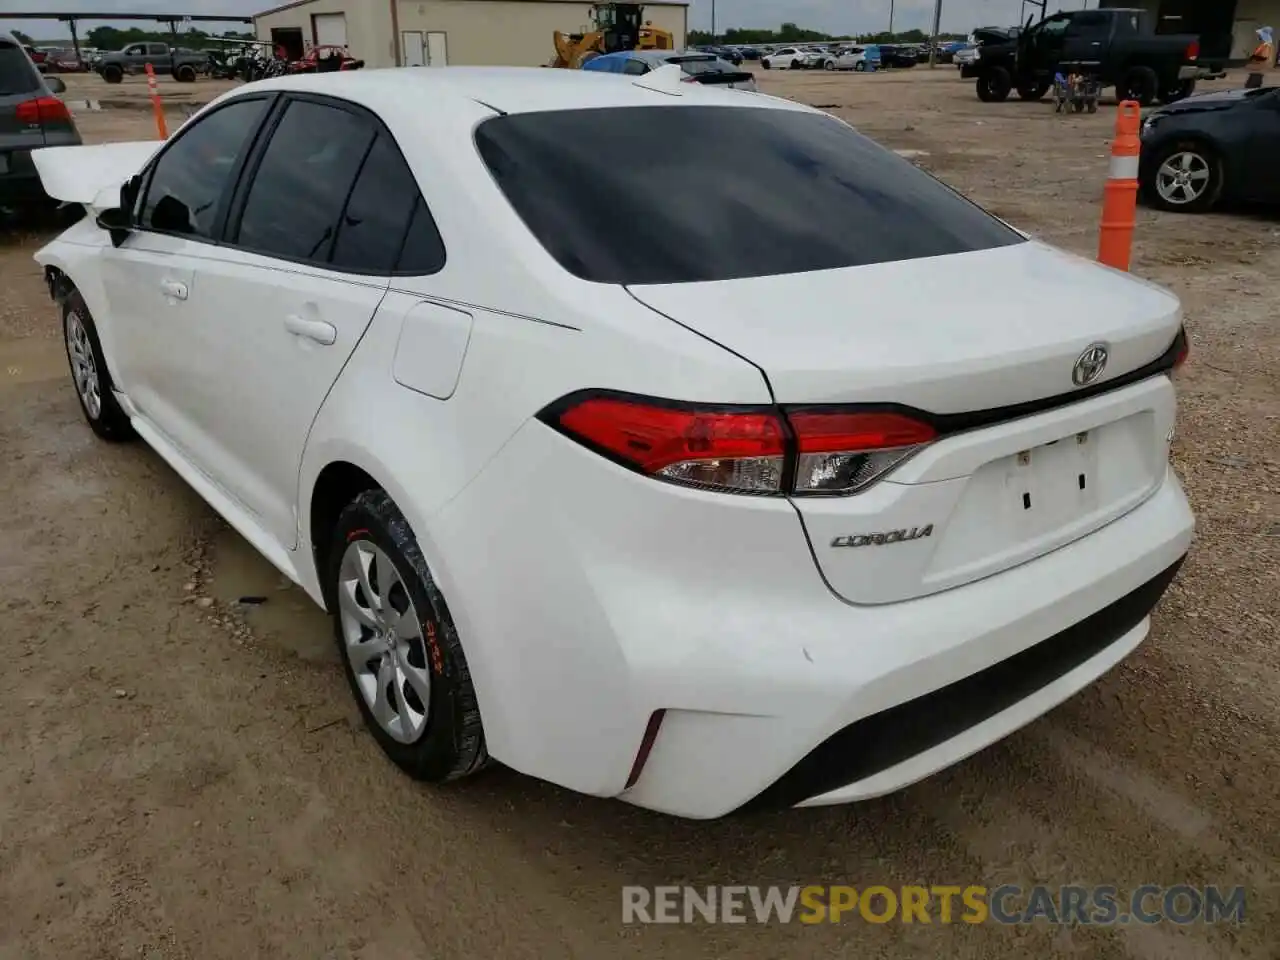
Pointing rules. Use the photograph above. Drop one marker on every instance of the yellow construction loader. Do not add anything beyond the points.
(615, 27)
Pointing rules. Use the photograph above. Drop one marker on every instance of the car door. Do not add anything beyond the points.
(1045, 44)
(149, 279)
(316, 229)
(1085, 38)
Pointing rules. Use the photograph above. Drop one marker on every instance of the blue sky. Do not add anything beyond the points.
(831, 16)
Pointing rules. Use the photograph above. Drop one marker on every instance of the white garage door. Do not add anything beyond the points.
(331, 29)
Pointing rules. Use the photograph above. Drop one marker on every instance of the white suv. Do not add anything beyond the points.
(634, 497)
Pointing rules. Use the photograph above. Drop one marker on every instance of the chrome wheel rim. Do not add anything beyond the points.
(84, 369)
(382, 634)
(1182, 178)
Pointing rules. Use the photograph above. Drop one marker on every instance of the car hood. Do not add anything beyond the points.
(1218, 100)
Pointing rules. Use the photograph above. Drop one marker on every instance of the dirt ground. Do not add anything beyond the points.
(182, 776)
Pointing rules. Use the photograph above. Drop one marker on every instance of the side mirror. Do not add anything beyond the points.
(116, 222)
(55, 85)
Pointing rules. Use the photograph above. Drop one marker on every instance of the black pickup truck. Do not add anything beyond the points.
(1117, 46)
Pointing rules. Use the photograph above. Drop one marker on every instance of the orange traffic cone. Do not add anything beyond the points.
(1120, 200)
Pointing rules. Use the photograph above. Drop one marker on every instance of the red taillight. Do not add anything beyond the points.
(1184, 350)
(843, 451)
(1193, 50)
(733, 449)
(42, 111)
(745, 450)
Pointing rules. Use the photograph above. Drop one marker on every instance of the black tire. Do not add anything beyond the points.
(113, 73)
(185, 73)
(1183, 90)
(451, 744)
(860, 66)
(109, 422)
(994, 85)
(1202, 203)
(796, 65)
(765, 64)
(1033, 90)
(1140, 84)
(828, 64)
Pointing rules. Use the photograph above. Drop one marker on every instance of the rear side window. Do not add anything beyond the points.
(378, 216)
(745, 193)
(17, 74)
(190, 178)
(302, 184)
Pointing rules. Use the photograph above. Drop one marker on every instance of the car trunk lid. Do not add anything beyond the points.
(988, 350)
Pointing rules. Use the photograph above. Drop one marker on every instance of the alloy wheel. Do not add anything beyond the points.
(1183, 178)
(84, 369)
(384, 644)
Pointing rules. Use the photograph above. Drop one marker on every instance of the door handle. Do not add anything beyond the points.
(174, 288)
(317, 330)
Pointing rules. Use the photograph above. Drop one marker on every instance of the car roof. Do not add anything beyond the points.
(505, 89)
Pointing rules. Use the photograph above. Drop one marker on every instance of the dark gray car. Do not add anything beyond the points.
(31, 116)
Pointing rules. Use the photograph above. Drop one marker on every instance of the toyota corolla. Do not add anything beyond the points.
(579, 430)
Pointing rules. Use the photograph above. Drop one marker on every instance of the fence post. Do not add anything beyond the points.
(161, 128)
(1120, 199)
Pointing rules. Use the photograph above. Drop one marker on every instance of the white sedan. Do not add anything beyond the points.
(614, 491)
(848, 58)
(792, 58)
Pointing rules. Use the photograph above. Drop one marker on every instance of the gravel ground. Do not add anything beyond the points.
(183, 777)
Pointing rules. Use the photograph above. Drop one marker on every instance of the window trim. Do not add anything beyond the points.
(230, 225)
(147, 174)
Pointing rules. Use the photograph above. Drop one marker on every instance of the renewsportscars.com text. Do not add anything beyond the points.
(939, 903)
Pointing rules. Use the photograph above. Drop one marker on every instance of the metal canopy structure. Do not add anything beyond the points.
(172, 19)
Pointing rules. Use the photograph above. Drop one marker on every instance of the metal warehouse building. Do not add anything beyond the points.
(1226, 27)
(390, 33)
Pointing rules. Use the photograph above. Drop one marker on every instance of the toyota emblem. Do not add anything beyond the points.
(1090, 364)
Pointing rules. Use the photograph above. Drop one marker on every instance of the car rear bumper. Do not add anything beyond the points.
(589, 598)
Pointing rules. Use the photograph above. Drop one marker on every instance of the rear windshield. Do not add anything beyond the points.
(17, 75)
(695, 65)
(639, 195)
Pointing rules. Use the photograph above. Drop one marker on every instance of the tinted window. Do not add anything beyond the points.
(745, 192)
(696, 65)
(303, 181)
(1091, 24)
(635, 67)
(17, 75)
(373, 226)
(423, 251)
(191, 176)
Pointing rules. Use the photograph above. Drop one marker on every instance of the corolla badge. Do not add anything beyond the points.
(1089, 365)
(880, 539)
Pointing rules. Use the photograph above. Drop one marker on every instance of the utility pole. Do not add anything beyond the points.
(933, 40)
(890, 19)
(713, 21)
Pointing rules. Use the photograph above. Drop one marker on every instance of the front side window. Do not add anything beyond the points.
(746, 192)
(302, 184)
(191, 177)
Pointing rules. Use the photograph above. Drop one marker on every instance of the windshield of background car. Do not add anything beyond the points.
(17, 75)
(638, 195)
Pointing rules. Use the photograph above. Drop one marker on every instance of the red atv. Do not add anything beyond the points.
(324, 60)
